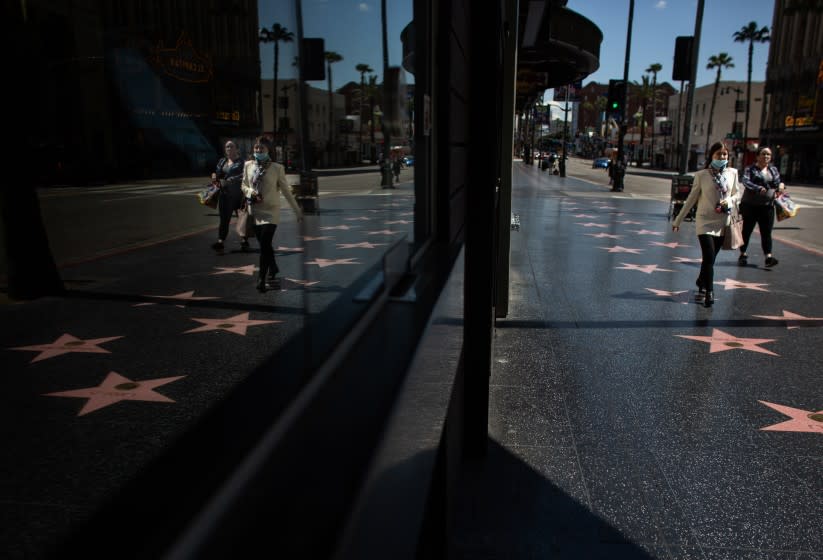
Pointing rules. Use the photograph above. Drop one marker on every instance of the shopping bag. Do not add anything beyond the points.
(209, 195)
(785, 207)
(244, 226)
(733, 233)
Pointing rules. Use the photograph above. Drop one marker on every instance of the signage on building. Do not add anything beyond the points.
(573, 90)
(183, 62)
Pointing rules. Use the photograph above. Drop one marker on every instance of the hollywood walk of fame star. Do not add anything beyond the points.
(322, 238)
(793, 320)
(363, 245)
(382, 232)
(393, 222)
(630, 222)
(619, 249)
(406, 214)
(392, 204)
(675, 296)
(583, 216)
(673, 245)
(721, 341)
(647, 268)
(185, 296)
(375, 211)
(645, 232)
(304, 283)
(248, 270)
(323, 263)
(732, 284)
(359, 219)
(606, 207)
(237, 324)
(343, 227)
(116, 388)
(685, 260)
(601, 235)
(290, 249)
(66, 344)
(620, 214)
(591, 224)
(801, 420)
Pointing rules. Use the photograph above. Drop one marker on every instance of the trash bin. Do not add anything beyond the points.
(306, 193)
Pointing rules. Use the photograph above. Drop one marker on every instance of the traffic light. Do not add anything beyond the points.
(617, 97)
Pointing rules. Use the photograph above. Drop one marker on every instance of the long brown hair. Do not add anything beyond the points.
(716, 146)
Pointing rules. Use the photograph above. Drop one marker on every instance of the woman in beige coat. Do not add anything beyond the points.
(263, 182)
(716, 191)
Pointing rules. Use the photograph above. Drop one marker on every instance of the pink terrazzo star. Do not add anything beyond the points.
(647, 268)
(406, 214)
(289, 249)
(342, 227)
(584, 216)
(630, 222)
(793, 320)
(721, 341)
(247, 270)
(363, 245)
(184, 296)
(645, 232)
(116, 388)
(323, 263)
(393, 222)
(237, 324)
(392, 204)
(382, 232)
(685, 260)
(619, 249)
(672, 245)
(732, 284)
(321, 238)
(675, 296)
(801, 420)
(602, 235)
(66, 344)
(304, 283)
(591, 224)
(359, 219)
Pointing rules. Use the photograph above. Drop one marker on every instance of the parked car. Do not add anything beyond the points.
(600, 163)
(409, 161)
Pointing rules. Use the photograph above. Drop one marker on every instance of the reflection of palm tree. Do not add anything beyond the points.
(331, 58)
(653, 69)
(642, 93)
(719, 61)
(363, 69)
(751, 34)
(275, 35)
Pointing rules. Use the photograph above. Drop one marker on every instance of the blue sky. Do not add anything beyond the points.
(656, 25)
(350, 28)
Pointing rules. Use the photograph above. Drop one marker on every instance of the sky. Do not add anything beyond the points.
(657, 23)
(351, 28)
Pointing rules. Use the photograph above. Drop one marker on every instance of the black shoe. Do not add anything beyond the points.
(771, 261)
(218, 246)
(244, 245)
(742, 260)
(709, 301)
(261, 285)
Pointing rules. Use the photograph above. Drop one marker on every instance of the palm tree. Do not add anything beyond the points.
(276, 35)
(331, 58)
(372, 87)
(719, 61)
(363, 69)
(642, 93)
(653, 69)
(750, 34)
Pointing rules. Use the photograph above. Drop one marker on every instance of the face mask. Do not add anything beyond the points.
(719, 163)
(261, 157)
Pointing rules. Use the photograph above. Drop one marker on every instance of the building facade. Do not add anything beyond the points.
(794, 78)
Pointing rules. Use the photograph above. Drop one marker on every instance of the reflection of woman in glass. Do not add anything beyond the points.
(262, 179)
(229, 172)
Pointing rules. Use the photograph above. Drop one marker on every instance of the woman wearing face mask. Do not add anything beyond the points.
(263, 182)
(715, 190)
(762, 183)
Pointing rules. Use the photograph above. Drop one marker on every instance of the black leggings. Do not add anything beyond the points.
(710, 245)
(761, 216)
(265, 236)
(226, 205)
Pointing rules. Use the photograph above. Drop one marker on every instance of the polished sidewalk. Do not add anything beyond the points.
(627, 420)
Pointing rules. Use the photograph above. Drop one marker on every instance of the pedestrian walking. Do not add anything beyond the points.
(263, 182)
(715, 191)
(229, 173)
(761, 182)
